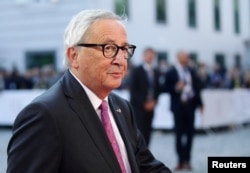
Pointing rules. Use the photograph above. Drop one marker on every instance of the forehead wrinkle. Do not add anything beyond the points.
(107, 33)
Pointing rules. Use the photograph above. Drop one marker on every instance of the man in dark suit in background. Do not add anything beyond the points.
(182, 83)
(144, 92)
(71, 128)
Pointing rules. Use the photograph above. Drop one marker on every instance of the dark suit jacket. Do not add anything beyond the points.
(60, 132)
(172, 79)
(139, 86)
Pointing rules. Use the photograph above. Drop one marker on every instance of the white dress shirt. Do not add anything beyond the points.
(184, 75)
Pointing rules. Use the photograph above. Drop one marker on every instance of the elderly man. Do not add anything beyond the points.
(78, 125)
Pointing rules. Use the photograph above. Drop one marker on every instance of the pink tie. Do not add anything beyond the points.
(109, 130)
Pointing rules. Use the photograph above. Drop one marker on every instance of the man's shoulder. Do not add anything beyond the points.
(172, 70)
(52, 96)
(117, 98)
(138, 67)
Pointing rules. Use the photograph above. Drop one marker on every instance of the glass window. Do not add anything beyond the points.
(220, 60)
(236, 17)
(162, 56)
(193, 59)
(217, 17)
(121, 7)
(39, 59)
(192, 13)
(161, 11)
(237, 60)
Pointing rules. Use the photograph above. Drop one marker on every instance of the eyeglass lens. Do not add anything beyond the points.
(111, 50)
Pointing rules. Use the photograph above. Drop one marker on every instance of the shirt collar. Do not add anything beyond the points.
(147, 66)
(95, 101)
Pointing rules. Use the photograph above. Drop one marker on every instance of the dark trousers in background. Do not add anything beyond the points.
(144, 122)
(184, 132)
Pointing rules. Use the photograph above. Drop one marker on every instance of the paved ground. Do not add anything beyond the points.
(232, 142)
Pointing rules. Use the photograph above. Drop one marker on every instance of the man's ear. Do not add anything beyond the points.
(72, 54)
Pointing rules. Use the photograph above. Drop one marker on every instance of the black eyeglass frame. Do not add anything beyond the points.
(130, 46)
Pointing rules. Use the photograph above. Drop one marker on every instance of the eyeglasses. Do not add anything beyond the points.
(111, 50)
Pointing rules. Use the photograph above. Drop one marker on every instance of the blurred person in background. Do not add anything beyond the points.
(235, 78)
(204, 76)
(2, 81)
(14, 80)
(247, 79)
(64, 130)
(163, 68)
(182, 83)
(144, 92)
(217, 77)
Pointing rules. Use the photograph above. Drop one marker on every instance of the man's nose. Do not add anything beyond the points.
(121, 57)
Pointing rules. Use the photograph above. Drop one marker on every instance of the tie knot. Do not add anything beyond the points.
(104, 105)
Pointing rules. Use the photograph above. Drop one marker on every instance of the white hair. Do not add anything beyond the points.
(79, 24)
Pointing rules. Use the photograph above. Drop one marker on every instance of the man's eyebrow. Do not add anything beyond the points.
(113, 42)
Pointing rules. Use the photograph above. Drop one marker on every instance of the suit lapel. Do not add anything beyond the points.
(83, 108)
(176, 74)
(119, 117)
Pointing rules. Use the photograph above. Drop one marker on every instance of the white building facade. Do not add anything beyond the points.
(31, 31)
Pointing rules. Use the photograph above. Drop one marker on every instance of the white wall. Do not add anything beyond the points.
(203, 39)
(35, 26)
(40, 26)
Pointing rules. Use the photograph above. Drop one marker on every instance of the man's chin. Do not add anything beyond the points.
(115, 86)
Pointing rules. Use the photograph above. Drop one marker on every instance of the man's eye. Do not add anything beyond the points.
(110, 47)
(125, 48)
